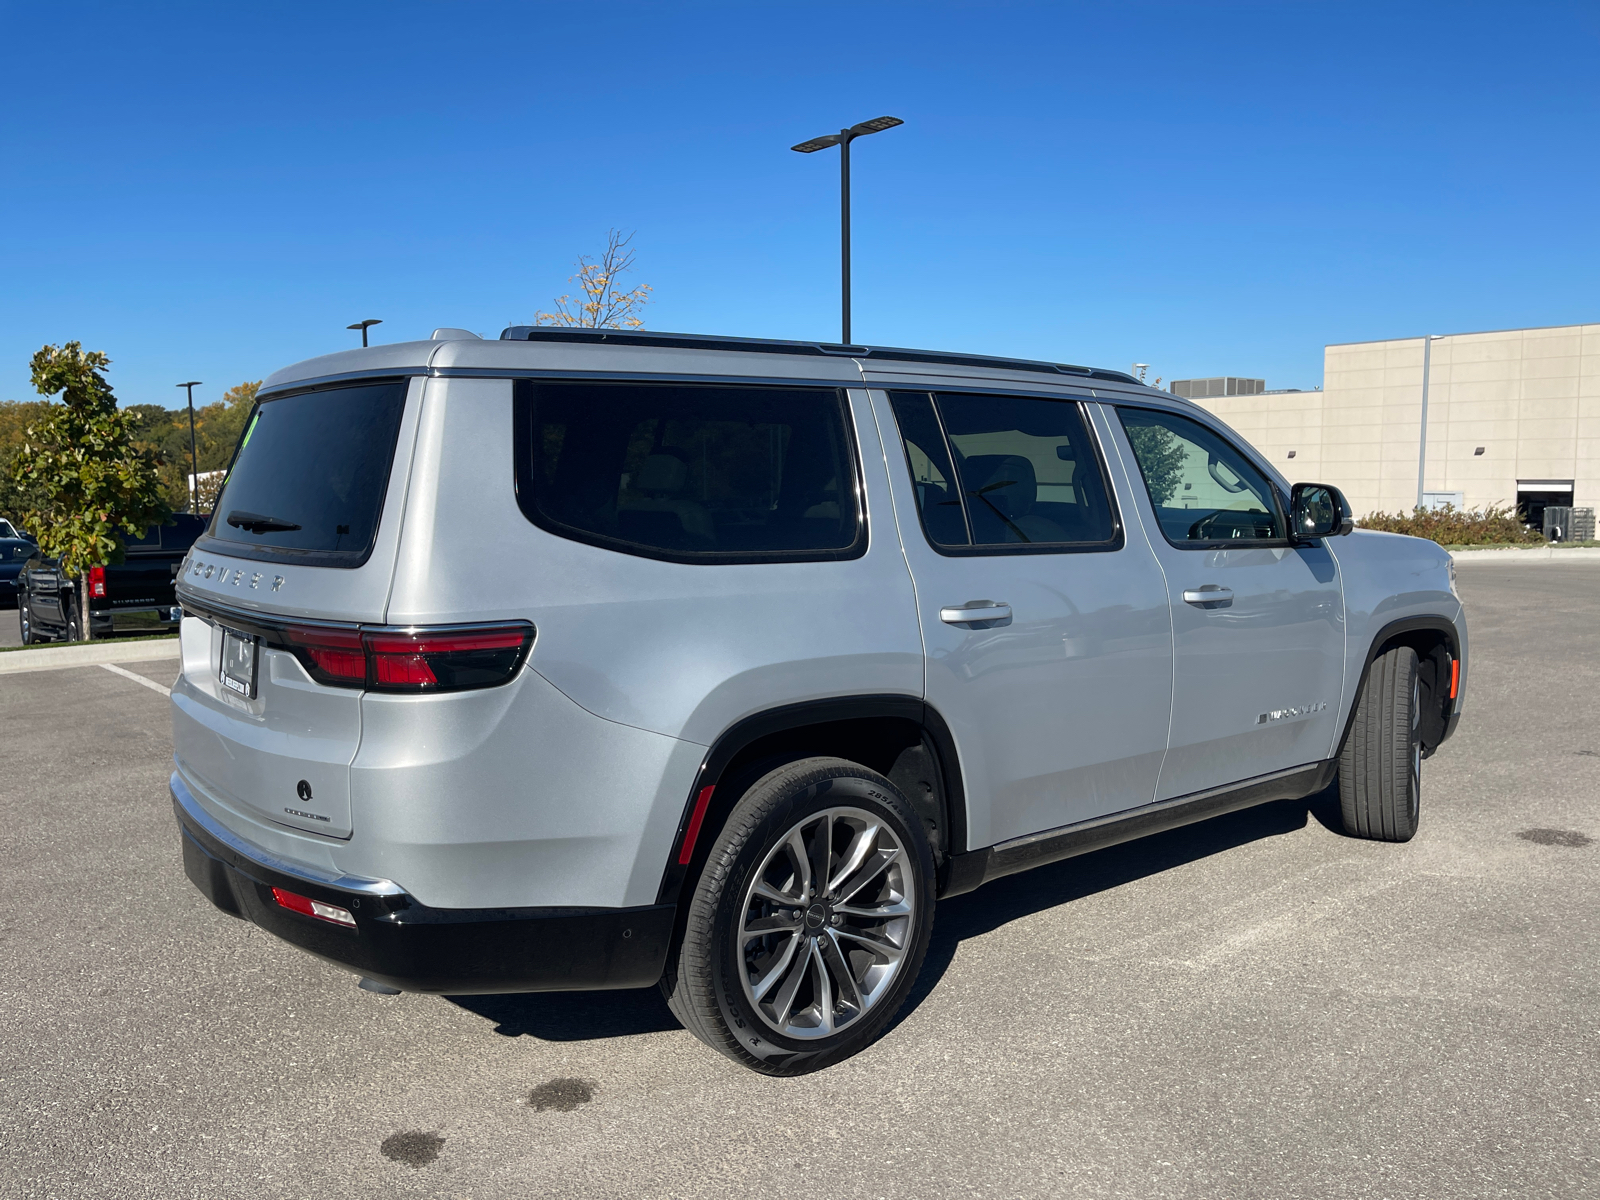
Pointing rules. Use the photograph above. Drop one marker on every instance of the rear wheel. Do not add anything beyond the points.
(25, 624)
(74, 628)
(810, 921)
(1380, 770)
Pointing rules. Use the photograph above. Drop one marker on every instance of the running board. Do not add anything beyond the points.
(966, 872)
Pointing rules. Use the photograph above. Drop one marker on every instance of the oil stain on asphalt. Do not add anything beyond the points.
(1556, 837)
(415, 1149)
(562, 1095)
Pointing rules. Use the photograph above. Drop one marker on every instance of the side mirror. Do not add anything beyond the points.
(1318, 510)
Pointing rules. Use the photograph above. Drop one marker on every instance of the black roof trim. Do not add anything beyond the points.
(704, 341)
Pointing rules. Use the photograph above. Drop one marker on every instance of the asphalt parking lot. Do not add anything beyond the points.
(1253, 1007)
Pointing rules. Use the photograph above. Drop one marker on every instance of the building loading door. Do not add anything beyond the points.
(1258, 623)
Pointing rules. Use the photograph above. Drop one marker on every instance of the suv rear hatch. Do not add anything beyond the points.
(301, 546)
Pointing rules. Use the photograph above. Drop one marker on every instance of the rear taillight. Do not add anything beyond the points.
(446, 659)
(330, 655)
(97, 581)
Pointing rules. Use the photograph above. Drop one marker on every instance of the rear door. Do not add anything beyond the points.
(304, 533)
(1258, 622)
(1047, 640)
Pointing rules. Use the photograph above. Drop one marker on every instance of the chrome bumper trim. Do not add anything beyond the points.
(185, 800)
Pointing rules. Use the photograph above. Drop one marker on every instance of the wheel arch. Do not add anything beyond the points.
(901, 737)
(1437, 643)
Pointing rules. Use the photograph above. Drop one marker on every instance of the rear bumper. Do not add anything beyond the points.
(415, 948)
(157, 619)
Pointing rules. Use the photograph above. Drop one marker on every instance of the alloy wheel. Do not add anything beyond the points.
(826, 923)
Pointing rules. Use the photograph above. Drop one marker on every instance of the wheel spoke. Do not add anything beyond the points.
(860, 846)
(760, 988)
(780, 922)
(824, 989)
(874, 867)
(799, 968)
(767, 892)
(882, 912)
(881, 946)
(822, 851)
(840, 964)
(795, 844)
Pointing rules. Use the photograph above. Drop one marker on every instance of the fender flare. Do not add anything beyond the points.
(1430, 624)
(746, 731)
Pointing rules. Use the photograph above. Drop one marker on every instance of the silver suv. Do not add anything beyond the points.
(587, 659)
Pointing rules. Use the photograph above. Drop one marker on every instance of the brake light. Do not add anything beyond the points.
(97, 581)
(330, 655)
(331, 913)
(411, 660)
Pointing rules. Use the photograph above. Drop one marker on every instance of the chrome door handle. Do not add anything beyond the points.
(975, 610)
(1208, 595)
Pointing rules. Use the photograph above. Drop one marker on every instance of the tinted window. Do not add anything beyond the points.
(1011, 471)
(689, 472)
(1202, 488)
(311, 473)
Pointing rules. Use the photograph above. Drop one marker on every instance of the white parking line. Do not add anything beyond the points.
(149, 683)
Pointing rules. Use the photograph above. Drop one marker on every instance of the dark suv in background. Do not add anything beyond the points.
(135, 596)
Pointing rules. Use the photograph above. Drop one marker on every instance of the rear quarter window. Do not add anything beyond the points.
(308, 480)
(689, 472)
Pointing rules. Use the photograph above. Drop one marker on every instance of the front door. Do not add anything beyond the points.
(1258, 623)
(1045, 629)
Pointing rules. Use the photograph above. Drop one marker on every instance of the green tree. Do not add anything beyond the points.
(15, 417)
(1161, 457)
(85, 477)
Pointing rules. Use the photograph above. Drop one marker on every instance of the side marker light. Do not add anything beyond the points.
(1455, 677)
(331, 913)
(686, 854)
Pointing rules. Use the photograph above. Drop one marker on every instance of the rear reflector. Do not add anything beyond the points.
(331, 913)
(686, 854)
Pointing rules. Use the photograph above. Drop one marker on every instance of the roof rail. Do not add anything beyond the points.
(704, 341)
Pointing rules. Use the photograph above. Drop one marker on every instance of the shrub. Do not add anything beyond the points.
(1449, 526)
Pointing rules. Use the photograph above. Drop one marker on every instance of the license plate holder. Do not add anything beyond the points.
(239, 657)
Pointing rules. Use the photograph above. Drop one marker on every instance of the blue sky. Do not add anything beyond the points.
(213, 191)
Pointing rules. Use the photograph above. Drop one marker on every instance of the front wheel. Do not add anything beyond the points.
(810, 921)
(1380, 770)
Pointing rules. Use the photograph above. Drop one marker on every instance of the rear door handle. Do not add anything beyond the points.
(1209, 594)
(975, 610)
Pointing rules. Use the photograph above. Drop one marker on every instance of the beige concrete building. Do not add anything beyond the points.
(1513, 417)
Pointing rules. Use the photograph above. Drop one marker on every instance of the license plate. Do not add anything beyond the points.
(239, 663)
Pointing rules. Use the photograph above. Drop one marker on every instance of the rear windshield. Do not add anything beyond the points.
(308, 481)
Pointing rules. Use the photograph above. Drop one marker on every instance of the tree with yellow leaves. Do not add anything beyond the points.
(603, 306)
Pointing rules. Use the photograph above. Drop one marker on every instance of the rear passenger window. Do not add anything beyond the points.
(690, 473)
(1004, 472)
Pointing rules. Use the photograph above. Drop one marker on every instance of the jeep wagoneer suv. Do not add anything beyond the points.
(585, 659)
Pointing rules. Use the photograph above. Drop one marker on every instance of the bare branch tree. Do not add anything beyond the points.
(603, 306)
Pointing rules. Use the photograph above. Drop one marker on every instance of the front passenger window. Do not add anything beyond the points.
(1203, 490)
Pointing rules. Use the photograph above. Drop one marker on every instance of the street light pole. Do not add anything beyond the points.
(194, 459)
(363, 325)
(842, 139)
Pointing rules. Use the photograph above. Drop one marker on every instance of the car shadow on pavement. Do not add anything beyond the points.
(583, 1016)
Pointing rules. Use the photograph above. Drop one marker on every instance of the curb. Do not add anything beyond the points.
(1514, 556)
(60, 658)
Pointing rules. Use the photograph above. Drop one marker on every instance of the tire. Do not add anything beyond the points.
(1380, 769)
(822, 979)
(74, 631)
(25, 630)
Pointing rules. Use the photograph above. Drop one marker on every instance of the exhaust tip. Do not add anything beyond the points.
(372, 985)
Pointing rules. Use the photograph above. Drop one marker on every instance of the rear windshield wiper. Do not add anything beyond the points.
(255, 523)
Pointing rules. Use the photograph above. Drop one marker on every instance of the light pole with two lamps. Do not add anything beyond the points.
(842, 139)
(363, 326)
(194, 459)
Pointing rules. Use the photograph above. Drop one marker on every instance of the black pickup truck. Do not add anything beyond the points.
(135, 596)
